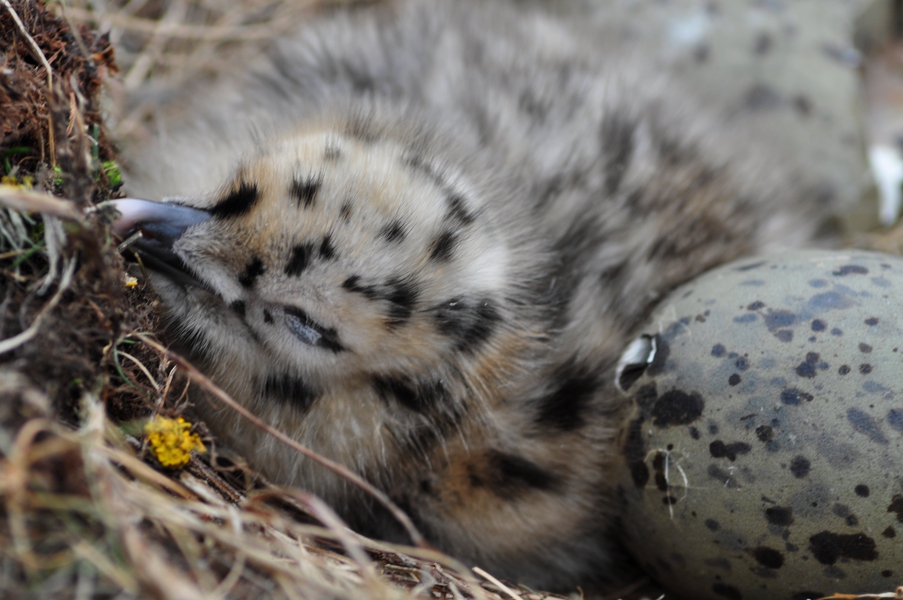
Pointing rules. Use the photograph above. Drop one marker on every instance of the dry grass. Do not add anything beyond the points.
(85, 509)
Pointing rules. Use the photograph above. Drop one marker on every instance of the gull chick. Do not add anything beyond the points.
(417, 236)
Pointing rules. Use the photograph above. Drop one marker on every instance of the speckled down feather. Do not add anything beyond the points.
(433, 227)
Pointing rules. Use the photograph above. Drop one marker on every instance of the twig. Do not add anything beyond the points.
(141, 366)
(144, 64)
(27, 201)
(17, 340)
(209, 33)
(497, 583)
(333, 466)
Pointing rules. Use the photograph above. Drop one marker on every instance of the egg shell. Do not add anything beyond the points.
(763, 458)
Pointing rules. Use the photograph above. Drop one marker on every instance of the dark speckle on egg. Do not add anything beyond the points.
(750, 266)
(896, 506)
(718, 563)
(779, 319)
(718, 449)
(808, 369)
(779, 515)
(727, 591)
(830, 301)
(863, 423)
(764, 433)
(895, 419)
(768, 557)
(805, 370)
(785, 335)
(841, 510)
(722, 476)
(793, 397)
(818, 325)
(828, 547)
(800, 466)
(677, 408)
(850, 269)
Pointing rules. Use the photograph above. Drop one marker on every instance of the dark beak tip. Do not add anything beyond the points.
(155, 219)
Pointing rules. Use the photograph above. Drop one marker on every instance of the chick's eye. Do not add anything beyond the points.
(310, 332)
(302, 326)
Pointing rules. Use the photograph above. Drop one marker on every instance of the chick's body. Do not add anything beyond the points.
(433, 226)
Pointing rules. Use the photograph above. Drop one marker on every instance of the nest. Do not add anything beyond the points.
(91, 506)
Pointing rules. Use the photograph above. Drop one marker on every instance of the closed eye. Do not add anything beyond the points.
(310, 332)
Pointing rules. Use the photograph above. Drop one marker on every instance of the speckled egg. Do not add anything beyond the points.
(764, 455)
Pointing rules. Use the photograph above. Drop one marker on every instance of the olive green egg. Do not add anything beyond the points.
(763, 458)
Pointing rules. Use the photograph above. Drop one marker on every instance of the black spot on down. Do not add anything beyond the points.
(458, 210)
(237, 203)
(425, 397)
(443, 247)
(305, 190)
(393, 232)
(327, 250)
(565, 407)
(353, 284)
(289, 389)
(401, 294)
(507, 475)
(299, 259)
(254, 270)
(469, 322)
(616, 135)
(239, 307)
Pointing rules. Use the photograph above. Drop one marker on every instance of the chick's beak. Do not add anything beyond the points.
(161, 225)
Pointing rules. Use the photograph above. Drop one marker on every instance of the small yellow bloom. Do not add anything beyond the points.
(131, 282)
(26, 182)
(172, 441)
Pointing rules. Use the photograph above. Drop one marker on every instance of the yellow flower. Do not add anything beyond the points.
(172, 441)
(26, 182)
